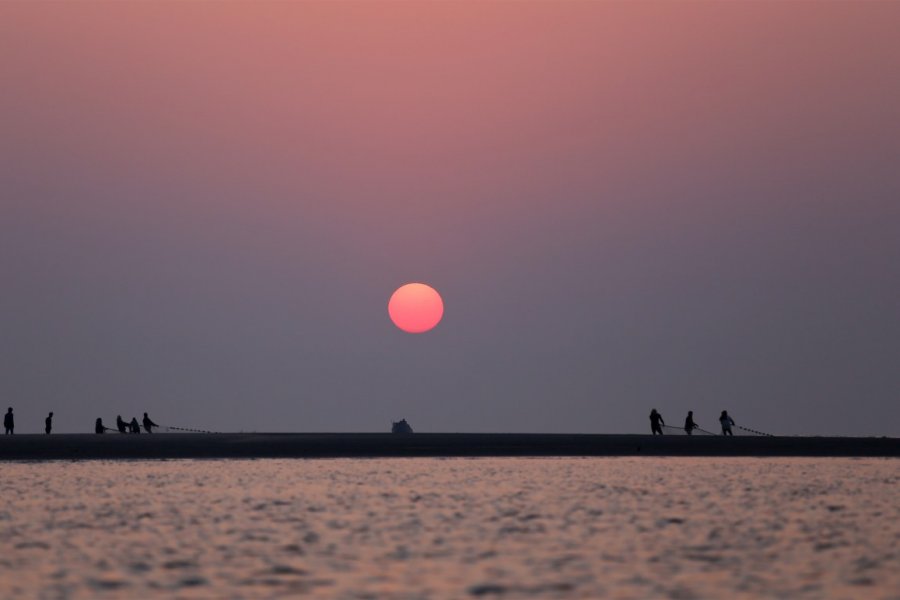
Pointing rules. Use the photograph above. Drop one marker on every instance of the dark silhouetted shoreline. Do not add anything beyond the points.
(375, 445)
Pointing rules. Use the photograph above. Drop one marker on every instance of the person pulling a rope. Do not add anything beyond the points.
(148, 424)
(726, 423)
(655, 421)
(689, 425)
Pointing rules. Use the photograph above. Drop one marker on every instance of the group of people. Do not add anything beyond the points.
(123, 426)
(656, 423)
(9, 424)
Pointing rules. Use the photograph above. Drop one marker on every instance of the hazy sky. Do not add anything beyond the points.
(205, 208)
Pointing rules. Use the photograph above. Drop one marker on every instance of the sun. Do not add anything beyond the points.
(416, 308)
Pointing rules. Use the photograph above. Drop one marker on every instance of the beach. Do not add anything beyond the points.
(384, 445)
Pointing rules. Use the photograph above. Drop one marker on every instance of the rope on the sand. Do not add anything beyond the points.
(703, 431)
(754, 431)
(699, 430)
(171, 428)
(673, 430)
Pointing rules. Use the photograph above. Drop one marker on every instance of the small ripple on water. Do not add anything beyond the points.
(486, 528)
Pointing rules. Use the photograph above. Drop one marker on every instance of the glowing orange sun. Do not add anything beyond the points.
(416, 308)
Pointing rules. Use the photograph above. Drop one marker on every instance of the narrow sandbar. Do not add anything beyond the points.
(374, 445)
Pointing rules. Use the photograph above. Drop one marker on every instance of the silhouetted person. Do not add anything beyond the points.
(401, 426)
(9, 422)
(655, 421)
(726, 422)
(121, 425)
(148, 424)
(48, 424)
(98, 426)
(134, 426)
(689, 425)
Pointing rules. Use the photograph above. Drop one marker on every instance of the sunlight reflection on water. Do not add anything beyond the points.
(451, 528)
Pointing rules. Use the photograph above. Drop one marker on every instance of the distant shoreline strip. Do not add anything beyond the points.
(378, 445)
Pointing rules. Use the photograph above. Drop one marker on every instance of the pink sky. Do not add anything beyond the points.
(624, 205)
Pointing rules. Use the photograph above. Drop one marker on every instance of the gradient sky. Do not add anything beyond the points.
(205, 208)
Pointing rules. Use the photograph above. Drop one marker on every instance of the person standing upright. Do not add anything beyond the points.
(9, 422)
(655, 421)
(48, 424)
(726, 422)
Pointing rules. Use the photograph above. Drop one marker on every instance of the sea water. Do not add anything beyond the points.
(452, 528)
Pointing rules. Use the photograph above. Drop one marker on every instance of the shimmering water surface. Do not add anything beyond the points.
(453, 528)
